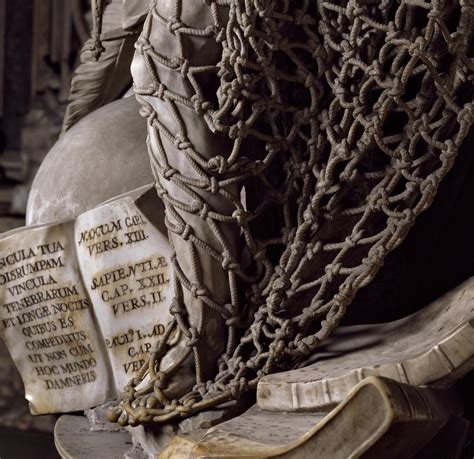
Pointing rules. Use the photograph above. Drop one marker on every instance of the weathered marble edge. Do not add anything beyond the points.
(362, 423)
(450, 359)
(74, 440)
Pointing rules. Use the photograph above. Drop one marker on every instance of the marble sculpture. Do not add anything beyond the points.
(293, 145)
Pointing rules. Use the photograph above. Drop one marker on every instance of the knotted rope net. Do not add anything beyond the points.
(340, 117)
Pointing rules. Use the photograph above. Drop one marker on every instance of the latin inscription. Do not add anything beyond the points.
(104, 237)
(45, 313)
(125, 268)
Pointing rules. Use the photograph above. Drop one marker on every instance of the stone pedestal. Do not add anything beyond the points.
(74, 440)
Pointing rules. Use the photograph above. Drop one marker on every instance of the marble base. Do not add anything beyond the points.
(74, 440)
(379, 418)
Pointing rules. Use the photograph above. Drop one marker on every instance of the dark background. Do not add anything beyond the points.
(39, 45)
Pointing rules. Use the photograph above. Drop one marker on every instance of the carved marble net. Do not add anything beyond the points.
(343, 117)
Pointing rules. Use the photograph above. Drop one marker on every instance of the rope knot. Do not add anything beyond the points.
(277, 349)
(227, 261)
(193, 339)
(197, 290)
(376, 257)
(304, 345)
(435, 15)
(174, 24)
(377, 199)
(181, 142)
(205, 209)
(147, 112)
(230, 314)
(168, 173)
(198, 105)
(312, 249)
(161, 192)
(282, 283)
(217, 164)
(353, 239)
(450, 150)
(185, 68)
(186, 232)
(332, 271)
(143, 45)
(374, 71)
(240, 216)
(341, 299)
(466, 115)
(417, 46)
(428, 186)
(303, 168)
(229, 311)
(213, 185)
(238, 129)
(396, 90)
(159, 90)
(342, 150)
(408, 217)
(401, 164)
(353, 10)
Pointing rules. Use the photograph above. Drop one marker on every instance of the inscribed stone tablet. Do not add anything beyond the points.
(46, 321)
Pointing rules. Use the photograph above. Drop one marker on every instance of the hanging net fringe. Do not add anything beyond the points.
(342, 118)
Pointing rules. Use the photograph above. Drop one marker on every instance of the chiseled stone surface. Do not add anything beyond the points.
(378, 418)
(97, 417)
(102, 156)
(46, 321)
(151, 441)
(433, 346)
(74, 440)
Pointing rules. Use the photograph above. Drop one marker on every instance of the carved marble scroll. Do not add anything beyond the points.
(46, 321)
(124, 261)
(82, 302)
